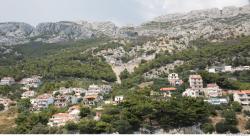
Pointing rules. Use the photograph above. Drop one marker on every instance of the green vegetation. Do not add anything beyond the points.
(1, 107)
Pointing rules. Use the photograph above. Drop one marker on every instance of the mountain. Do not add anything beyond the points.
(212, 24)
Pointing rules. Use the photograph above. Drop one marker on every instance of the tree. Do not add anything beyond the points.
(248, 125)
(236, 106)
(230, 117)
(124, 74)
(103, 127)
(221, 128)
(123, 127)
(87, 127)
(71, 126)
(1, 107)
(207, 128)
(23, 105)
(39, 129)
(84, 112)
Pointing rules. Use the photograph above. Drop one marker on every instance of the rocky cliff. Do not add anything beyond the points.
(212, 24)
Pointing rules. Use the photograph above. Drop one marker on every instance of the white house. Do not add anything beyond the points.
(119, 99)
(228, 69)
(211, 70)
(7, 81)
(212, 90)
(74, 110)
(42, 101)
(106, 88)
(33, 81)
(192, 93)
(243, 97)
(174, 80)
(28, 94)
(60, 119)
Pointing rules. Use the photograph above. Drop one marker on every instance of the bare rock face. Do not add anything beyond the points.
(14, 33)
(61, 31)
(211, 24)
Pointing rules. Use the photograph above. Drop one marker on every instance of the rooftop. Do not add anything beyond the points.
(168, 89)
(195, 76)
(244, 92)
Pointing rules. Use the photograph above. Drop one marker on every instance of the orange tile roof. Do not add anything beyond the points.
(244, 92)
(90, 96)
(168, 89)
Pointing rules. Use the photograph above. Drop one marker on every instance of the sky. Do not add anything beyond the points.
(121, 12)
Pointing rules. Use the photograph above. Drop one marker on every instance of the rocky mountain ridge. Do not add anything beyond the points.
(212, 24)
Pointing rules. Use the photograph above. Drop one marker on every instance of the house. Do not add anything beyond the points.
(211, 70)
(79, 91)
(60, 119)
(227, 69)
(64, 91)
(98, 115)
(6, 102)
(42, 101)
(167, 92)
(174, 80)
(243, 97)
(33, 81)
(93, 89)
(7, 81)
(217, 101)
(195, 82)
(119, 99)
(212, 90)
(91, 99)
(192, 93)
(106, 88)
(74, 110)
(173, 76)
(28, 94)
(61, 101)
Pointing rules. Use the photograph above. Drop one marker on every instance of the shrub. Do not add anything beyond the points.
(207, 128)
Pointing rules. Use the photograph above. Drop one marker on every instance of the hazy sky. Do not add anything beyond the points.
(121, 12)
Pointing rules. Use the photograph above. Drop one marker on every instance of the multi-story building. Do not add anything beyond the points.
(243, 97)
(42, 101)
(196, 87)
(61, 101)
(195, 82)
